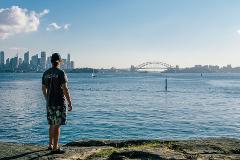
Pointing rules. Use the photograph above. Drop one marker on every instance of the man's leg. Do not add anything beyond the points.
(51, 135)
(56, 136)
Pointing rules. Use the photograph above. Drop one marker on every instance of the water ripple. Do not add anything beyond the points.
(129, 106)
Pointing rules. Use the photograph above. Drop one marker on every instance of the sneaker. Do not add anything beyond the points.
(58, 151)
(50, 148)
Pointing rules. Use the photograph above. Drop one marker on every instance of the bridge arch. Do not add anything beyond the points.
(152, 65)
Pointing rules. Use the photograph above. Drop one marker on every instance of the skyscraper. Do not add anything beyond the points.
(64, 65)
(49, 64)
(1, 58)
(34, 62)
(8, 63)
(72, 65)
(14, 62)
(68, 61)
(43, 60)
(26, 58)
(20, 61)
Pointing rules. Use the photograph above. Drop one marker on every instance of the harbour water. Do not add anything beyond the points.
(124, 106)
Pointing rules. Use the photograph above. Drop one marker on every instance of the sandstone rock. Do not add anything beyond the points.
(202, 149)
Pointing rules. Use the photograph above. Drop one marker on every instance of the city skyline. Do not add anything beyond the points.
(121, 33)
(44, 60)
(67, 61)
(32, 62)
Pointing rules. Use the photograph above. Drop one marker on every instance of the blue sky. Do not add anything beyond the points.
(118, 33)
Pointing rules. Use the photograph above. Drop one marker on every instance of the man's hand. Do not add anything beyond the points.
(44, 90)
(69, 107)
(67, 95)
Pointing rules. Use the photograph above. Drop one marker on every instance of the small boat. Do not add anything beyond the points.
(93, 74)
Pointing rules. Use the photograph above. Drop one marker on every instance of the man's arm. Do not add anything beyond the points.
(67, 95)
(44, 91)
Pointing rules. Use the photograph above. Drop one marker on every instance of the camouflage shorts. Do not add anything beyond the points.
(56, 115)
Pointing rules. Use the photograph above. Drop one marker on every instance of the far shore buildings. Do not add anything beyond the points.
(36, 63)
(1, 59)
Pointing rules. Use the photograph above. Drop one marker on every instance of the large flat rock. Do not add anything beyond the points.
(201, 149)
(28, 151)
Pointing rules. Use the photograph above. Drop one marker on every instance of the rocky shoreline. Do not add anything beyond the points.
(201, 149)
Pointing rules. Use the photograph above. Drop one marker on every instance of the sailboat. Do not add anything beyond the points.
(93, 74)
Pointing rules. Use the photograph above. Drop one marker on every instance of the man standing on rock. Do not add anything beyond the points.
(55, 91)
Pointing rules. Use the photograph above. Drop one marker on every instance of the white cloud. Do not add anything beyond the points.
(54, 26)
(44, 12)
(66, 26)
(16, 20)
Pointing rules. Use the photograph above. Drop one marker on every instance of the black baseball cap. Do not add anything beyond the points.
(56, 57)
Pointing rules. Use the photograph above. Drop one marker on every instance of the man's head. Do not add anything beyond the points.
(56, 59)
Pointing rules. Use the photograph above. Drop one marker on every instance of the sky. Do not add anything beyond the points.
(120, 33)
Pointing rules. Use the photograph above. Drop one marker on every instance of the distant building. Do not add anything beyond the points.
(64, 64)
(198, 66)
(229, 66)
(213, 68)
(68, 62)
(8, 63)
(39, 65)
(34, 62)
(132, 68)
(205, 67)
(14, 63)
(20, 61)
(72, 65)
(43, 60)
(2, 58)
(26, 58)
(49, 64)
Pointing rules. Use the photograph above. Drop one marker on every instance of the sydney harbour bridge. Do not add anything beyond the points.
(154, 65)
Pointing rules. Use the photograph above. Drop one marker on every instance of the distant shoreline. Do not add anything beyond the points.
(123, 71)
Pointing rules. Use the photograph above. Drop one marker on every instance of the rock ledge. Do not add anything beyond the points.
(201, 149)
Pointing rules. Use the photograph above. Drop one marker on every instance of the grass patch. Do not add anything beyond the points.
(105, 153)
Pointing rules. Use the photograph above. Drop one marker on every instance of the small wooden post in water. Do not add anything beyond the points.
(166, 84)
